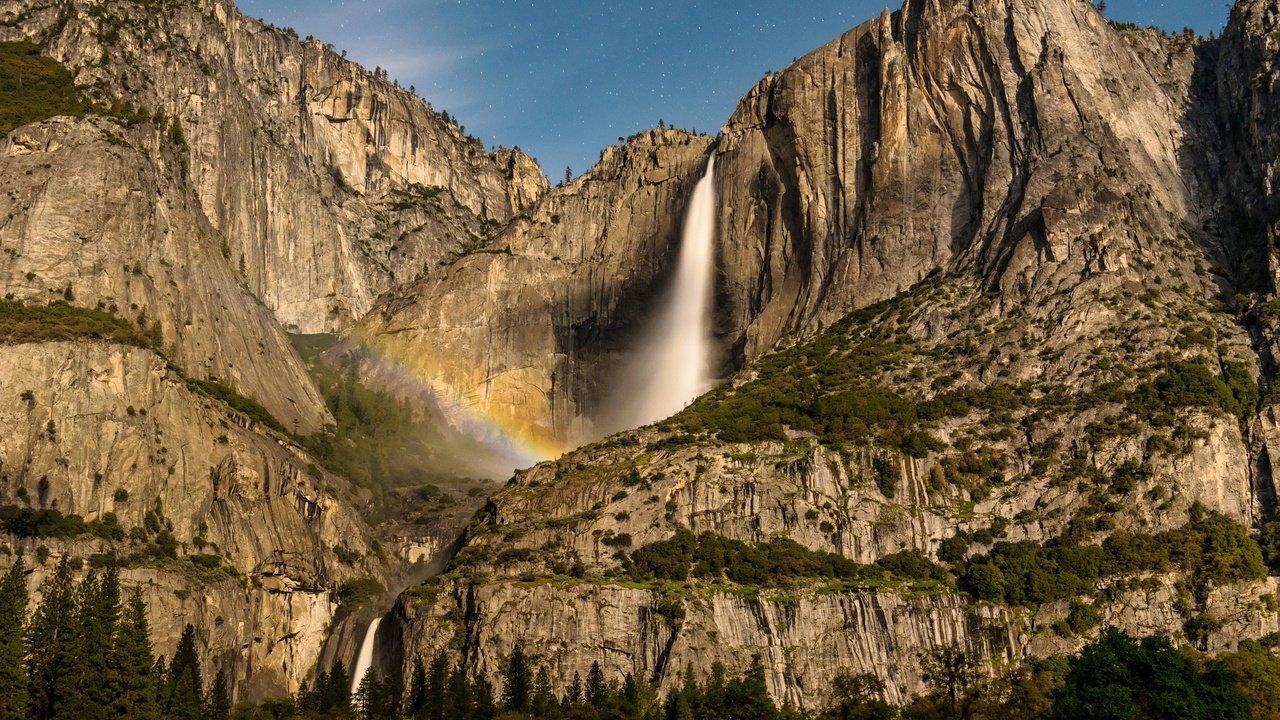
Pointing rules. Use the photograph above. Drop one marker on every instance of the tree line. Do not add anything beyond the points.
(85, 653)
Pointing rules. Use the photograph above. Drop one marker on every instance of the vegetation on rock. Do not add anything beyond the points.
(34, 87)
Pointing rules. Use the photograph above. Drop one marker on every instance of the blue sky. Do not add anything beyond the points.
(564, 78)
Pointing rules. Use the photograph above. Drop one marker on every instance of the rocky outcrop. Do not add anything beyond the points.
(805, 638)
(98, 214)
(266, 641)
(294, 152)
(1038, 150)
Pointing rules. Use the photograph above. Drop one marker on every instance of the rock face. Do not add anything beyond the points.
(111, 429)
(804, 639)
(247, 183)
(102, 215)
(293, 151)
(1025, 203)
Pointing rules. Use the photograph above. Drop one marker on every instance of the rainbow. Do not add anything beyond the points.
(521, 442)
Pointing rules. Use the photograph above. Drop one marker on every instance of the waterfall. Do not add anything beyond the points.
(365, 659)
(672, 365)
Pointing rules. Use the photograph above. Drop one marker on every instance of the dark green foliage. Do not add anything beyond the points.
(597, 691)
(1192, 384)
(740, 698)
(517, 685)
(372, 698)
(34, 87)
(1257, 674)
(1270, 542)
(954, 676)
(13, 638)
(87, 658)
(1117, 677)
(219, 705)
(29, 523)
(858, 697)
(830, 386)
(1211, 549)
(82, 692)
(22, 323)
(358, 592)
(183, 691)
(218, 390)
(50, 642)
(778, 561)
(132, 688)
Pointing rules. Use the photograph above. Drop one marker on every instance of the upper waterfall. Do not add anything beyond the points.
(672, 366)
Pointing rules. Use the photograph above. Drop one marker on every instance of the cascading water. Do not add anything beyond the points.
(673, 367)
(365, 659)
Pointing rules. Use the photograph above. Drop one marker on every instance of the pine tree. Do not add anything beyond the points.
(132, 687)
(84, 685)
(13, 615)
(313, 699)
(159, 674)
(678, 706)
(393, 695)
(219, 705)
(337, 694)
(458, 705)
(573, 693)
(303, 699)
(543, 704)
(482, 702)
(749, 695)
(416, 705)
(184, 686)
(184, 701)
(371, 697)
(517, 682)
(48, 640)
(437, 688)
(597, 690)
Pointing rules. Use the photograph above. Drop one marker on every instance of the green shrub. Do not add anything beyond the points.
(21, 323)
(715, 557)
(218, 390)
(1211, 548)
(49, 523)
(34, 87)
(355, 593)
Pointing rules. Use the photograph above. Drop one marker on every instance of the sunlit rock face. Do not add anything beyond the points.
(103, 215)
